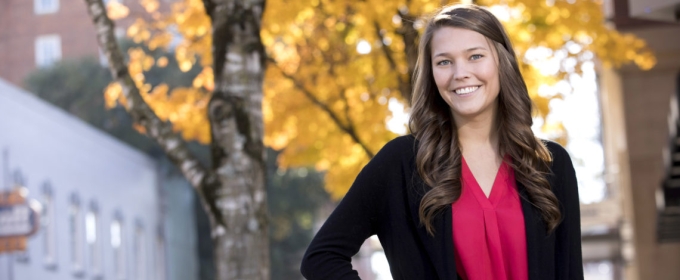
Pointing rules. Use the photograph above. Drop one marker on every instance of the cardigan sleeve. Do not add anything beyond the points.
(569, 258)
(356, 218)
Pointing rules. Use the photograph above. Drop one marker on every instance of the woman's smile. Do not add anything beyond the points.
(466, 91)
(465, 71)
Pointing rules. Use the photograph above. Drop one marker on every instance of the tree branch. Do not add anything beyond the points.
(410, 36)
(209, 7)
(385, 48)
(404, 83)
(348, 117)
(160, 131)
(349, 128)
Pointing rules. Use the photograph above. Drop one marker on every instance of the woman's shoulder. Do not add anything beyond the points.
(396, 150)
(562, 168)
(401, 143)
(404, 145)
(559, 153)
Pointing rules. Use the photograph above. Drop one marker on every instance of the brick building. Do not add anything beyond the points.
(37, 33)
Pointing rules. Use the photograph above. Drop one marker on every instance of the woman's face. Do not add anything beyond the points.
(465, 69)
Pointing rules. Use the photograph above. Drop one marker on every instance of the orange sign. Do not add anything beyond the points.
(18, 220)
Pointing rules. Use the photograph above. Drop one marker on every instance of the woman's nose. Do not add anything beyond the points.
(460, 71)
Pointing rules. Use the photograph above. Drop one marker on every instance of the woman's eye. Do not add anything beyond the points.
(476, 56)
(444, 62)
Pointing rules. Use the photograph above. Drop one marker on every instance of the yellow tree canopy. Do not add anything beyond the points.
(184, 107)
(336, 66)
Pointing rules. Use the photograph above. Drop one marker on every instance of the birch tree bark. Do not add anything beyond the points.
(235, 112)
(232, 190)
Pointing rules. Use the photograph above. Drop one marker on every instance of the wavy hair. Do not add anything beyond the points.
(438, 157)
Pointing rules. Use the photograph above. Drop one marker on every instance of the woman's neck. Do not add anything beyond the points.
(478, 133)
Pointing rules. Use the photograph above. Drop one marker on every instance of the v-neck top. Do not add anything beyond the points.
(384, 200)
(489, 233)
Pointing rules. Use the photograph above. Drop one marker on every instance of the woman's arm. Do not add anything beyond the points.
(355, 219)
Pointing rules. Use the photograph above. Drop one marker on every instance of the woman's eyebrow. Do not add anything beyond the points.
(466, 51)
(476, 48)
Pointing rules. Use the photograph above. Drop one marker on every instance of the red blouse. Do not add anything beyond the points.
(488, 233)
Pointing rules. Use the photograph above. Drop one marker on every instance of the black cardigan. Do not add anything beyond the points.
(384, 200)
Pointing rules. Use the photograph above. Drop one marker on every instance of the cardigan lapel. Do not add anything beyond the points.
(444, 235)
(534, 233)
(443, 256)
(440, 246)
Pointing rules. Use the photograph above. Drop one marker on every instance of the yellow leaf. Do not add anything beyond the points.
(162, 62)
(116, 10)
(113, 95)
(148, 63)
(139, 128)
(185, 65)
(160, 40)
(149, 5)
(205, 79)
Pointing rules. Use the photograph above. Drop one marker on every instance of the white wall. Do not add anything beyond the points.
(47, 145)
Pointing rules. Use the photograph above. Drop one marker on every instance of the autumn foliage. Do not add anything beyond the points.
(336, 66)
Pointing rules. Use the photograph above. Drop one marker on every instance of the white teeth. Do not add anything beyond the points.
(466, 90)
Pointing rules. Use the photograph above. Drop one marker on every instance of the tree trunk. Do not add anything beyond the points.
(233, 190)
(235, 111)
(410, 37)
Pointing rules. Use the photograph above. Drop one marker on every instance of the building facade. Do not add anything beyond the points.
(38, 33)
(107, 211)
(640, 135)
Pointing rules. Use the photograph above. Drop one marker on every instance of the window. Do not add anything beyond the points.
(41, 7)
(160, 256)
(140, 252)
(49, 228)
(117, 243)
(75, 235)
(600, 270)
(92, 237)
(47, 50)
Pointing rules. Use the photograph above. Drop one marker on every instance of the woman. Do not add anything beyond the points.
(472, 193)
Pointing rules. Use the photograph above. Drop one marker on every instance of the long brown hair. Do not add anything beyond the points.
(438, 157)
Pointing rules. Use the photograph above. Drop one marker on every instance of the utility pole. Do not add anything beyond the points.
(7, 187)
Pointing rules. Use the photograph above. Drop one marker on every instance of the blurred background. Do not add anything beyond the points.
(604, 76)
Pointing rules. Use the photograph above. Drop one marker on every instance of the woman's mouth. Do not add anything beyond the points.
(466, 90)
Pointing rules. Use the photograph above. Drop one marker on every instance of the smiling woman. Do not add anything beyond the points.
(465, 69)
(471, 193)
